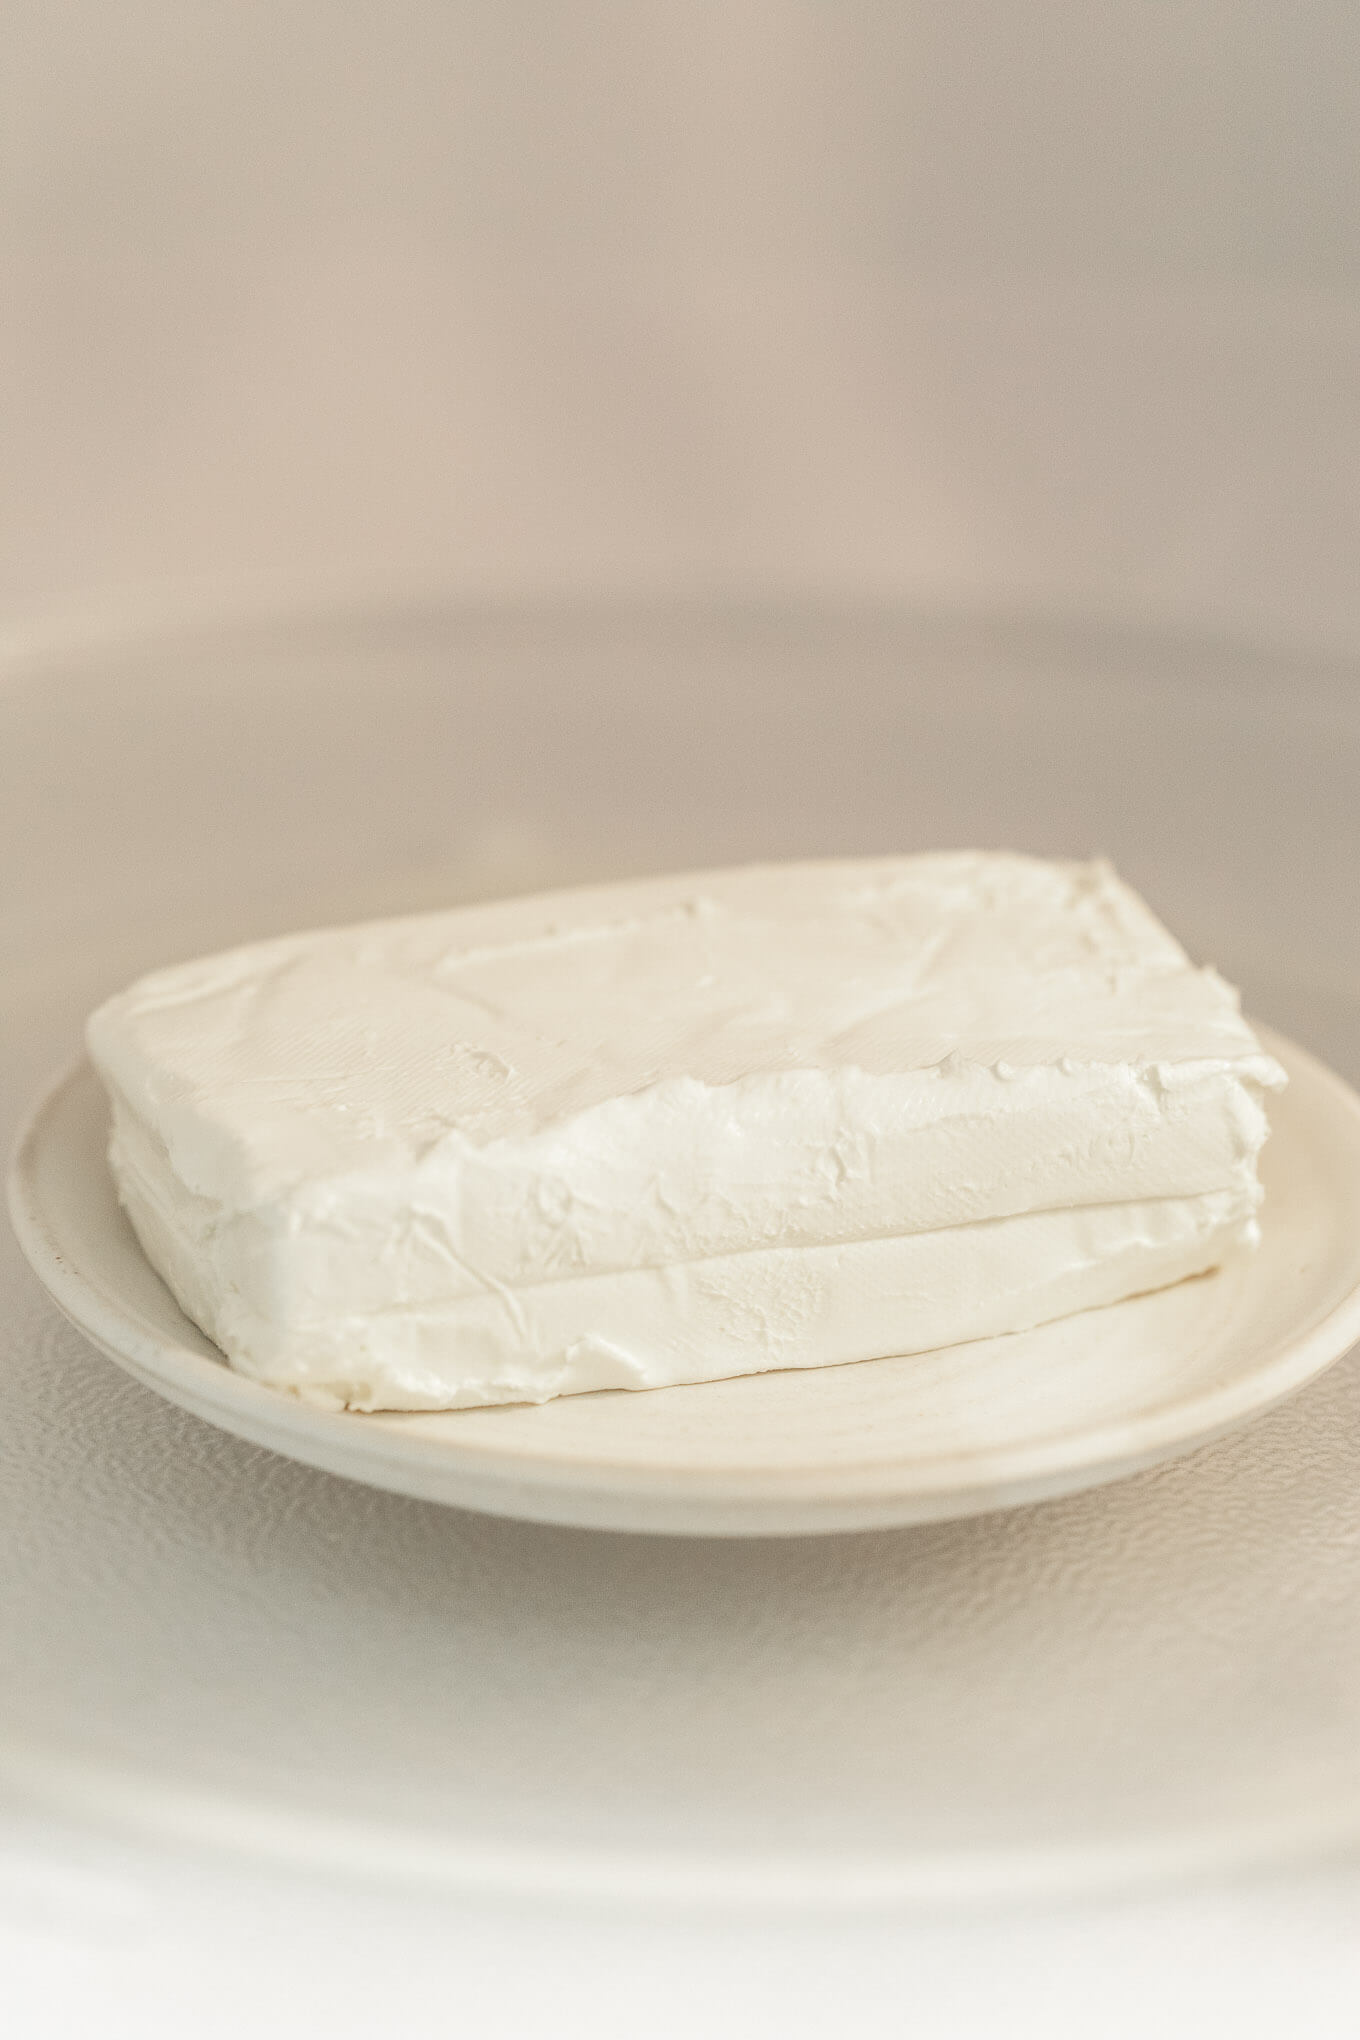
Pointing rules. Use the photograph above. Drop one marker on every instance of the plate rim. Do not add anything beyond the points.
(686, 1500)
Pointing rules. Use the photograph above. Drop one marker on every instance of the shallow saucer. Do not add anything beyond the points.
(884, 1442)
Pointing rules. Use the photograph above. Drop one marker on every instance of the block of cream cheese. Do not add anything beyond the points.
(687, 1127)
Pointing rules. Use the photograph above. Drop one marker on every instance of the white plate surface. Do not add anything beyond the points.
(913, 1439)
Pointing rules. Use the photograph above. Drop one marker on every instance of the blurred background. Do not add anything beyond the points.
(1037, 300)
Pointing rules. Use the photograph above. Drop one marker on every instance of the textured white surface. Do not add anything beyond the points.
(682, 1128)
(197, 1633)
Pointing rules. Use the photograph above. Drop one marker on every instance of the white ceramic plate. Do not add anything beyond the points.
(904, 1440)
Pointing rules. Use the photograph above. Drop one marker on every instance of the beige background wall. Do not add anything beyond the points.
(1037, 299)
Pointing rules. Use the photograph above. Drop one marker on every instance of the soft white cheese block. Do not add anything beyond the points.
(681, 1128)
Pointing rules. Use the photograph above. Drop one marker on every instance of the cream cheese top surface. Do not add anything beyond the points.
(653, 1073)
